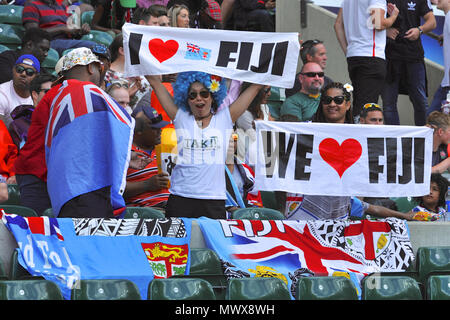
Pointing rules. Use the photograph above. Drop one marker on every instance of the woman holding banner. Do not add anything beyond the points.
(335, 107)
(197, 183)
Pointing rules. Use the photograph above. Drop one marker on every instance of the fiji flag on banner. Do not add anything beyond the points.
(290, 249)
(87, 144)
(67, 250)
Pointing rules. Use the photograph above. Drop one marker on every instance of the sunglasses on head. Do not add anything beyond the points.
(310, 43)
(313, 74)
(204, 94)
(337, 99)
(371, 105)
(29, 72)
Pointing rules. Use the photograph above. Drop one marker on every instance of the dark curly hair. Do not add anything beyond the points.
(319, 115)
(442, 184)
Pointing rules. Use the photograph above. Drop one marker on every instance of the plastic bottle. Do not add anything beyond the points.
(166, 152)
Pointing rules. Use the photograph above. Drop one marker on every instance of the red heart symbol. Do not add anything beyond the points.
(163, 50)
(340, 157)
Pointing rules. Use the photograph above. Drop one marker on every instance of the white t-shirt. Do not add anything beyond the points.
(200, 168)
(446, 47)
(9, 100)
(363, 40)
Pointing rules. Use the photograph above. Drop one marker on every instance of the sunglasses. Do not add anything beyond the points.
(44, 90)
(29, 72)
(371, 105)
(337, 99)
(204, 94)
(313, 74)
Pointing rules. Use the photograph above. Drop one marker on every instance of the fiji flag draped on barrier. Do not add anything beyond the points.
(87, 144)
(289, 249)
(66, 250)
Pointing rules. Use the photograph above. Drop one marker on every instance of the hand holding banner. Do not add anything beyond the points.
(257, 57)
(343, 159)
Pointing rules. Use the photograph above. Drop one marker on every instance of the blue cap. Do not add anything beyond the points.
(30, 60)
(153, 115)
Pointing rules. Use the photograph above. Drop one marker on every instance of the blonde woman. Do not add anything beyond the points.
(179, 16)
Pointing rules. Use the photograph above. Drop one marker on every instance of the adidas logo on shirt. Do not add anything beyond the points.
(412, 6)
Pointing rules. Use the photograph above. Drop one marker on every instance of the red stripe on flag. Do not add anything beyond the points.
(36, 225)
(263, 254)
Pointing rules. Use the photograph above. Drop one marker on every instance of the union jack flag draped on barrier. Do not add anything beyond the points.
(88, 144)
(292, 249)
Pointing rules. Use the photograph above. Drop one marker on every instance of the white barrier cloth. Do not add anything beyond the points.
(257, 57)
(343, 159)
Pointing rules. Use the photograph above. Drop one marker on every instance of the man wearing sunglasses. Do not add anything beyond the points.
(303, 104)
(16, 92)
(311, 51)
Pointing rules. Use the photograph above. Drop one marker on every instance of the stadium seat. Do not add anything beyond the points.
(105, 289)
(375, 287)
(206, 265)
(11, 14)
(405, 204)
(325, 288)
(99, 37)
(16, 271)
(11, 34)
(38, 289)
(257, 289)
(432, 260)
(438, 287)
(50, 62)
(269, 200)
(48, 213)
(204, 261)
(3, 275)
(143, 213)
(86, 17)
(3, 48)
(257, 214)
(18, 210)
(13, 195)
(180, 289)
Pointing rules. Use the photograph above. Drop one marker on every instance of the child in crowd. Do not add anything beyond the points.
(432, 206)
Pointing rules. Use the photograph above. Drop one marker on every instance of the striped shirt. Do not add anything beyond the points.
(147, 198)
(44, 14)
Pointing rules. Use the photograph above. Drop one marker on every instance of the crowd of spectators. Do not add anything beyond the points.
(377, 66)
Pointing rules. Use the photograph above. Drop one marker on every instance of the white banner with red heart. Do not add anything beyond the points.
(343, 159)
(257, 57)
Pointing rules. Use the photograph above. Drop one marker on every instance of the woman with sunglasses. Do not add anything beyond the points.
(335, 107)
(197, 183)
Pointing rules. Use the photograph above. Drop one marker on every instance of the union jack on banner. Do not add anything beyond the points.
(290, 249)
(70, 104)
(37, 225)
(193, 48)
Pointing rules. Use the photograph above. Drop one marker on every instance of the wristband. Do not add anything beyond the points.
(420, 30)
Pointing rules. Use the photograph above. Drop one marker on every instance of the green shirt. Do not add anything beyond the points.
(300, 105)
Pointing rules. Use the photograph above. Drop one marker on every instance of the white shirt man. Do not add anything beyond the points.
(17, 91)
(361, 31)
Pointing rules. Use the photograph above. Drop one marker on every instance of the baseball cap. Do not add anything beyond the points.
(30, 60)
(213, 10)
(128, 3)
(79, 57)
(153, 115)
(101, 51)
